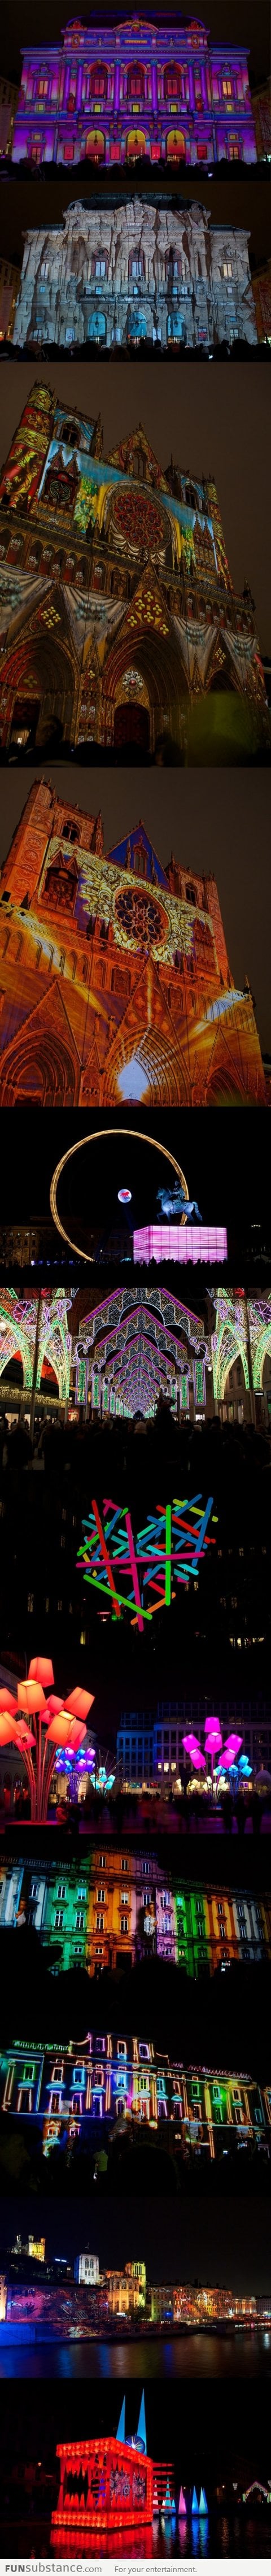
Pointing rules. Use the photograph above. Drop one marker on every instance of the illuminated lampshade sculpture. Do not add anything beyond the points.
(75, 1766)
(64, 1722)
(218, 1758)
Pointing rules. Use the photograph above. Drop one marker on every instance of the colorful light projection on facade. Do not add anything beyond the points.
(23, 1722)
(137, 271)
(71, 2092)
(135, 92)
(97, 1915)
(117, 599)
(166, 1551)
(168, 1243)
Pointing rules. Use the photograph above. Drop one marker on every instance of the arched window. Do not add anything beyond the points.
(172, 81)
(98, 82)
(136, 81)
(69, 832)
(174, 326)
(175, 145)
(95, 145)
(137, 327)
(97, 326)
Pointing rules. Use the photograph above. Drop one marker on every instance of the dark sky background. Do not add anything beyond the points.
(25, 207)
(249, 26)
(213, 2438)
(214, 422)
(226, 1168)
(225, 2243)
(222, 829)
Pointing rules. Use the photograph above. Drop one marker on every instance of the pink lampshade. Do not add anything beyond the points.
(79, 1702)
(41, 1670)
(199, 1760)
(8, 1702)
(31, 1696)
(233, 1745)
(23, 1733)
(8, 1729)
(213, 1720)
(189, 1743)
(213, 1732)
(65, 1730)
(53, 1706)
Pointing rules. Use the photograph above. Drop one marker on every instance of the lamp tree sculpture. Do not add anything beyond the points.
(39, 1726)
(218, 1758)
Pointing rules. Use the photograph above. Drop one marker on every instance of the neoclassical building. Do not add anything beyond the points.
(117, 608)
(132, 90)
(115, 275)
(115, 979)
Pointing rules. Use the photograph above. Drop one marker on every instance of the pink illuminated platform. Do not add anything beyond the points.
(180, 1243)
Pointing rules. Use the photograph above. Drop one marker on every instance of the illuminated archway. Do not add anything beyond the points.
(136, 144)
(98, 1135)
(262, 1352)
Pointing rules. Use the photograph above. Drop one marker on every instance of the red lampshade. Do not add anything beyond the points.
(79, 1702)
(8, 1728)
(65, 1730)
(41, 1670)
(7, 1701)
(31, 1697)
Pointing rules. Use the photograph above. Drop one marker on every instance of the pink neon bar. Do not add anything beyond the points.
(180, 1243)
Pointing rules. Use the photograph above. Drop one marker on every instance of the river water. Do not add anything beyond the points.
(188, 2356)
(222, 2535)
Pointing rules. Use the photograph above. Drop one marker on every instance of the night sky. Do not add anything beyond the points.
(221, 2243)
(247, 26)
(227, 1181)
(213, 421)
(25, 206)
(224, 830)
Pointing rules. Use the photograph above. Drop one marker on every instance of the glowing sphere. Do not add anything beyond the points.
(124, 1196)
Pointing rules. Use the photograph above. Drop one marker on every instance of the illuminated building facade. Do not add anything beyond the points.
(135, 90)
(114, 1357)
(261, 289)
(117, 599)
(115, 976)
(9, 94)
(9, 290)
(120, 1906)
(114, 275)
(262, 121)
(151, 1755)
(34, 2311)
(70, 2096)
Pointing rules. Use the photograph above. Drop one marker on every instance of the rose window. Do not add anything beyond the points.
(138, 518)
(139, 917)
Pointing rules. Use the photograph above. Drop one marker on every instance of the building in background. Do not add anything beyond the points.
(118, 274)
(9, 291)
(133, 91)
(122, 1906)
(9, 94)
(73, 2095)
(261, 290)
(116, 982)
(150, 1754)
(118, 603)
(261, 108)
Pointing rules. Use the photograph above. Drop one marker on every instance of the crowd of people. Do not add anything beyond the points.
(131, 1443)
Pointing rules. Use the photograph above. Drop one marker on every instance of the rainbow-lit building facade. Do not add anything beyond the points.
(135, 90)
(119, 1907)
(71, 2093)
